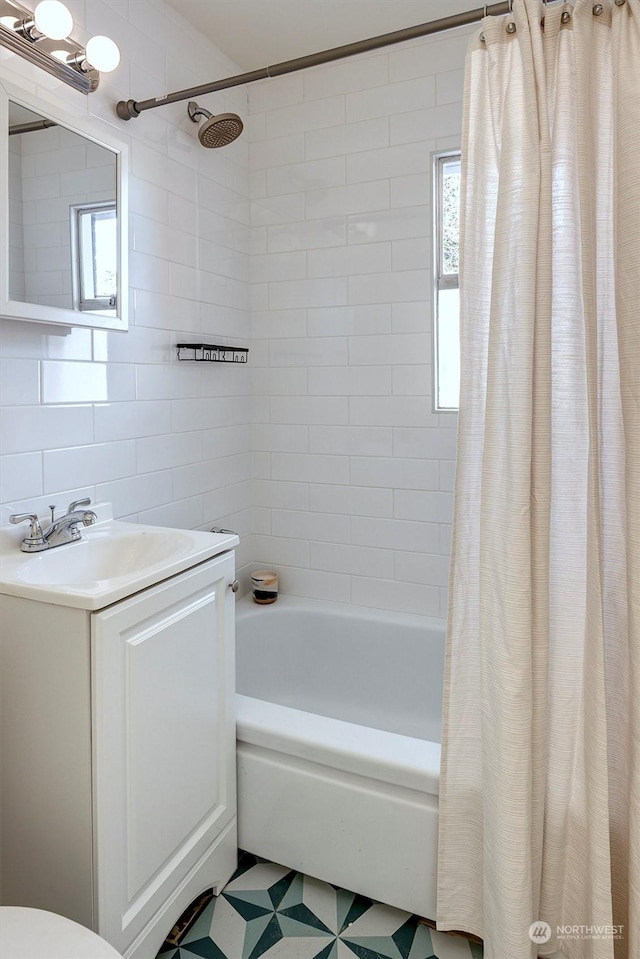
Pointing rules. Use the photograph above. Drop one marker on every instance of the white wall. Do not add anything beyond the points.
(354, 469)
(112, 415)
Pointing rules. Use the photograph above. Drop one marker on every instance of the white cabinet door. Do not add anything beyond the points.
(164, 751)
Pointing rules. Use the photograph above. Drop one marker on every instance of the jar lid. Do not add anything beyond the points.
(264, 577)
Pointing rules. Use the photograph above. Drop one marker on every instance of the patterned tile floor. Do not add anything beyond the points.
(273, 912)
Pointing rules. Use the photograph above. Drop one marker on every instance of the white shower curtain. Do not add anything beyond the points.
(540, 789)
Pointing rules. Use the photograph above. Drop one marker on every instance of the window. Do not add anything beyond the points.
(94, 257)
(446, 178)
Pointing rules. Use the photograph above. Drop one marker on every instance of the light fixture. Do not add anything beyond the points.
(53, 19)
(103, 54)
(43, 38)
(49, 19)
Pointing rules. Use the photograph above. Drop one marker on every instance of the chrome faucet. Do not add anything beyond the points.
(60, 531)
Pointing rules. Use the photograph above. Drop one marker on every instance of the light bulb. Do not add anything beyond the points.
(53, 19)
(103, 54)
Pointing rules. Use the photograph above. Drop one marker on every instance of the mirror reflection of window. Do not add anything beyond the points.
(52, 173)
(93, 257)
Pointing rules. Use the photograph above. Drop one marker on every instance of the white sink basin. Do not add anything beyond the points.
(102, 556)
(111, 561)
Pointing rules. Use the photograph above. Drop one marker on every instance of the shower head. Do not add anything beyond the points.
(216, 131)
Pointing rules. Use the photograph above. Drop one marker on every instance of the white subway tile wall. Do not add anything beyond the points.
(112, 415)
(309, 240)
(356, 468)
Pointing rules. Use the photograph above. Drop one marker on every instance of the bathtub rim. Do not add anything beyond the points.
(361, 750)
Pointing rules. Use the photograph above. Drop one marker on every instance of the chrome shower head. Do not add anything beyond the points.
(216, 131)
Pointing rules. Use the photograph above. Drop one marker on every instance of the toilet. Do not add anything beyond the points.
(36, 934)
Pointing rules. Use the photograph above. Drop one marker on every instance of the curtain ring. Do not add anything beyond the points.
(484, 12)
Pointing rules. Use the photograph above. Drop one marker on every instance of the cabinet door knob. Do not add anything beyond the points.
(234, 586)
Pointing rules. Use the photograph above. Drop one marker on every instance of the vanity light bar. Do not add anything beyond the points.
(62, 58)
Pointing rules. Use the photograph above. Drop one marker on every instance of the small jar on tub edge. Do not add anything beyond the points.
(264, 586)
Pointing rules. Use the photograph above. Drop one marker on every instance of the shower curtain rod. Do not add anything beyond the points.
(127, 109)
(31, 127)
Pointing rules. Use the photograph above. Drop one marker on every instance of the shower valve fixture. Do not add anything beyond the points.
(216, 131)
(43, 38)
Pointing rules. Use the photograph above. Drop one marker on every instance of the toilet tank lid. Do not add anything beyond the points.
(27, 933)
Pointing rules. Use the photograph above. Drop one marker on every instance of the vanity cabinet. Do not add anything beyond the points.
(118, 798)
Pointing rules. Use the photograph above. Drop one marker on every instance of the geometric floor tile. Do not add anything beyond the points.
(268, 911)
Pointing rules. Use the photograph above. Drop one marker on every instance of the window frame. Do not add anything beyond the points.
(106, 305)
(442, 281)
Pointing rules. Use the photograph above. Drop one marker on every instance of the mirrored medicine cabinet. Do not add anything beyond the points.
(63, 216)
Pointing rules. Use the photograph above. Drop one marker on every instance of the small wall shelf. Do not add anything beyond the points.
(212, 353)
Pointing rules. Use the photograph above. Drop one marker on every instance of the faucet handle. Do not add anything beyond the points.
(72, 507)
(35, 533)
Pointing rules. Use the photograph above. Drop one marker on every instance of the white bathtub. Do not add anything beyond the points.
(338, 745)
